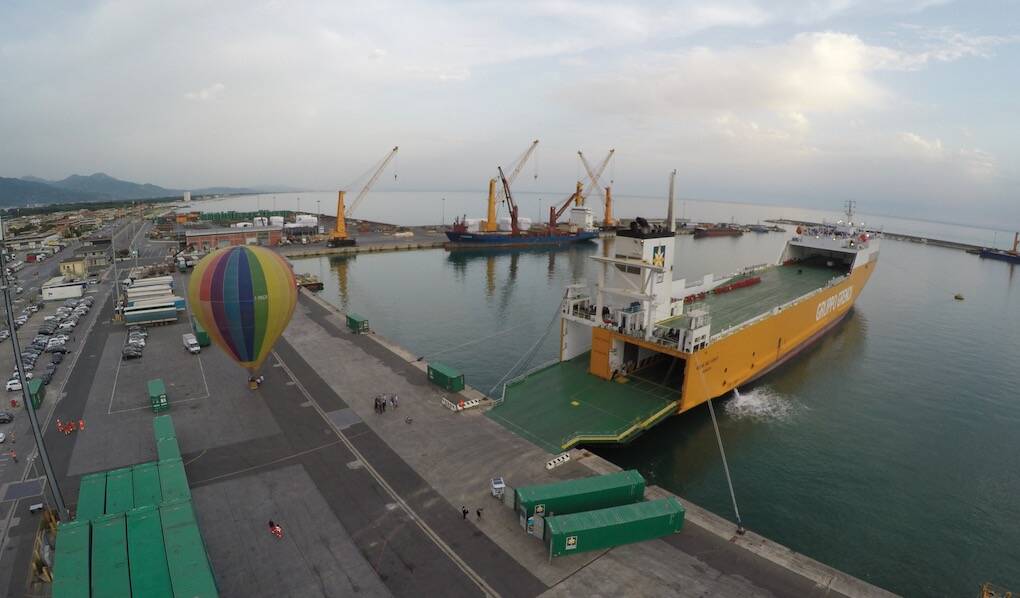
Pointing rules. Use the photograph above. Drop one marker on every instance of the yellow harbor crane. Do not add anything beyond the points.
(491, 225)
(339, 237)
(593, 184)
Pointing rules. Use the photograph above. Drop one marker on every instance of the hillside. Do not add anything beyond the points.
(105, 185)
(19, 193)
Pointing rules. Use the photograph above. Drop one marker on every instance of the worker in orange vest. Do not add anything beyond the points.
(14, 455)
(60, 426)
(81, 424)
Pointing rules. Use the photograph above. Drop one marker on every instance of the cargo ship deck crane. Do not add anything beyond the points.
(515, 228)
(491, 225)
(594, 175)
(339, 236)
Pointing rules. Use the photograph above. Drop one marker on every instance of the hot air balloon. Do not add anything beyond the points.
(244, 297)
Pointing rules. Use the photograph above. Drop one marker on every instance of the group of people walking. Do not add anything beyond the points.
(381, 402)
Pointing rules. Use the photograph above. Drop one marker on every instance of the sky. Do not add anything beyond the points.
(910, 107)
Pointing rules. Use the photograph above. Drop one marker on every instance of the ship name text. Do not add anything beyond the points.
(833, 303)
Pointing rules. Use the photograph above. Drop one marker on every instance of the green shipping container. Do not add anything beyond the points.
(446, 377)
(145, 479)
(150, 576)
(91, 497)
(172, 480)
(357, 324)
(157, 395)
(163, 427)
(71, 561)
(575, 496)
(200, 334)
(120, 491)
(190, 573)
(167, 448)
(37, 392)
(615, 526)
(110, 575)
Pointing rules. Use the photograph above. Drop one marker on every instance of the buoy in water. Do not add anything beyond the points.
(958, 297)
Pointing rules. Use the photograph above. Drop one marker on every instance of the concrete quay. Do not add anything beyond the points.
(457, 453)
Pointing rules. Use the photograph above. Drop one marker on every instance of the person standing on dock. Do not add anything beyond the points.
(478, 513)
(463, 512)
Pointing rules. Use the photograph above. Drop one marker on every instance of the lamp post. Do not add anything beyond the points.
(444, 211)
(33, 419)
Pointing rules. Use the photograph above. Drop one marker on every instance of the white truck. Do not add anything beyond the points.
(191, 343)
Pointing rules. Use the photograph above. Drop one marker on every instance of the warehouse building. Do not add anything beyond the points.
(214, 238)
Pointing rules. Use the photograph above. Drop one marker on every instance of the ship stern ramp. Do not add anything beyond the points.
(562, 405)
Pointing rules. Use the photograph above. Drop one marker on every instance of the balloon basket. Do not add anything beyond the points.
(253, 385)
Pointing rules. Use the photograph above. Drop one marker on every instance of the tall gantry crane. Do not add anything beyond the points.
(338, 237)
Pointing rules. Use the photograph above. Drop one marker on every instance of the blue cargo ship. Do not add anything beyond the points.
(486, 233)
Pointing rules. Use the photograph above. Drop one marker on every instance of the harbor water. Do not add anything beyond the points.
(887, 450)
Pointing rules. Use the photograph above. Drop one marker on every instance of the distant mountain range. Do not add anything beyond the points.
(30, 190)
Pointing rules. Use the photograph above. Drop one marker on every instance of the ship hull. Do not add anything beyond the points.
(484, 240)
(700, 233)
(1002, 256)
(752, 350)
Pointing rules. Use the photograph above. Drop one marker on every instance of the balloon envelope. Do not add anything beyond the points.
(244, 297)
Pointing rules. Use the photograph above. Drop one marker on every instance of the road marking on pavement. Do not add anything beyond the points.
(261, 465)
(425, 528)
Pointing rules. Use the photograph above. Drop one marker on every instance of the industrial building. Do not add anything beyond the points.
(58, 289)
(214, 238)
(74, 267)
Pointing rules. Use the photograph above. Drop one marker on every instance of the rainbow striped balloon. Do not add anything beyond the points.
(244, 297)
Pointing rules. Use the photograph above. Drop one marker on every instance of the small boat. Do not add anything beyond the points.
(309, 281)
(958, 296)
(717, 230)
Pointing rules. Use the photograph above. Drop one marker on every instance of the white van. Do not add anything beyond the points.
(191, 343)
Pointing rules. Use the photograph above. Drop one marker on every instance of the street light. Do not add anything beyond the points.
(33, 419)
(444, 211)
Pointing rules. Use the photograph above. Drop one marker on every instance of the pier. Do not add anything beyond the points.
(435, 460)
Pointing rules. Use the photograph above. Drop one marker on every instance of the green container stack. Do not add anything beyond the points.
(163, 427)
(91, 497)
(150, 576)
(200, 334)
(120, 492)
(446, 377)
(186, 557)
(145, 479)
(71, 560)
(173, 481)
(576, 496)
(37, 392)
(615, 526)
(153, 549)
(357, 324)
(158, 399)
(110, 575)
(167, 448)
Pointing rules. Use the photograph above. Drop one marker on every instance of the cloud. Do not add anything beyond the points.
(815, 72)
(973, 162)
(213, 92)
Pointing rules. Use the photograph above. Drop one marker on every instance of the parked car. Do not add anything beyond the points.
(3, 437)
(58, 349)
(14, 376)
(56, 357)
(5, 334)
(129, 353)
(6, 417)
(47, 378)
(13, 385)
